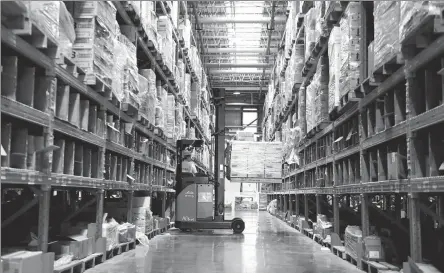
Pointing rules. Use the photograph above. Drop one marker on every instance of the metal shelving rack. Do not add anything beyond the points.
(59, 134)
(385, 145)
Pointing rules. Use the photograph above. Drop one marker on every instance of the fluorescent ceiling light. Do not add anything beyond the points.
(236, 93)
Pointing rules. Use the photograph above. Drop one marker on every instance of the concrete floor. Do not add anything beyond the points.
(267, 245)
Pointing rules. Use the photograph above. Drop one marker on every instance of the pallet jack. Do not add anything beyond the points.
(195, 207)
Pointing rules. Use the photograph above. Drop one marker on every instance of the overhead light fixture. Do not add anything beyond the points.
(236, 93)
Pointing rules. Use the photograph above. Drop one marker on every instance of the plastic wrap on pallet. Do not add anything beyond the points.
(185, 31)
(413, 14)
(353, 237)
(309, 104)
(187, 89)
(350, 48)
(148, 100)
(195, 100)
(148, 20)
(46, 15)
(321, 25)
(386, 42)
(159, 120)
(323, 226)
(334, 57)
(171, 116)
(125, 60)
(310, 32)
(298, 62)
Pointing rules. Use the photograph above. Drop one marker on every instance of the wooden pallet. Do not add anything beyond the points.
(16, 17)
(321, 126)
(339, 251)
(388, 67)
(426, 31)
(349, 258)
(378, 267)
(80, 266)
(130, 106)
(69, 65)
(120, 248)
(347, 102)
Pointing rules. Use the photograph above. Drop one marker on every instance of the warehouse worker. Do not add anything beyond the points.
(188, 166)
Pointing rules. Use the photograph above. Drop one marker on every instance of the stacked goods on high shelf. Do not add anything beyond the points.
(386, 44)
(334, 57)
(96, 32)
(147, 94)
(125, 83)
(56, 22)
(256, 162)
(351, 57)
(165, 39)
(317, 96)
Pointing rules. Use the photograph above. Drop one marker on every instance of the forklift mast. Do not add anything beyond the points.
(219, 160)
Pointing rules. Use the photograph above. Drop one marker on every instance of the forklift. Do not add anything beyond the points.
(195, 207)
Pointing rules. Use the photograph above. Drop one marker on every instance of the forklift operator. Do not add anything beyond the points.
(188, 166)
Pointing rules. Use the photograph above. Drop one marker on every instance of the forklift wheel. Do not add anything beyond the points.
(237, 225)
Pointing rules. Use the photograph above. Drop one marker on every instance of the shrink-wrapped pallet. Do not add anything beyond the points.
(148, 99)
(413, 14)
(185, 31)
(54, 20)
(187, 92)
(309, 106)
(195, 100)
(148, 20)
(96, 31)
(353, 237)
(350, 25)
(125, 80)
(386, 43)
(298, 62)
(334, 57)
(310, 32)
(170, 117)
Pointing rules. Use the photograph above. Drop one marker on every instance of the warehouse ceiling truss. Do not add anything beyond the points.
(239, 39)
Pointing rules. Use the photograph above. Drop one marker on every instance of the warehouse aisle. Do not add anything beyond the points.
(267, 245)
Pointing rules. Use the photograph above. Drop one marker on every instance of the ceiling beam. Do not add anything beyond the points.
(228, 65)
(240, 88)
(244, 35)
(240, 50)
(238, 20)
(222, 72)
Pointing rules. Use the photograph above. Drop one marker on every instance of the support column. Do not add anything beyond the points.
(164, 197)
(297, 207)
(415, 228)
(306, 214)
(99, 212)
(318, 204)
(364, 215)
(43, 226)
(441, 207)
(129, 214)
(290, 204)
(285, 203)
(336, 225)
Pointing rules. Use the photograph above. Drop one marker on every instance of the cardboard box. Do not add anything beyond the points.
(23, 262)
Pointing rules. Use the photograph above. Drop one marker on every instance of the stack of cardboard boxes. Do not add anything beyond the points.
(148, 95)
(96, 29)
(165, 36)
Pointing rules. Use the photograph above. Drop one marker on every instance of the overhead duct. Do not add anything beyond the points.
(227, 65)
(237, 20)
(240, 50)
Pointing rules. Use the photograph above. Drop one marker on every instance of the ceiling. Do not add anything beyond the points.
(238, 44)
